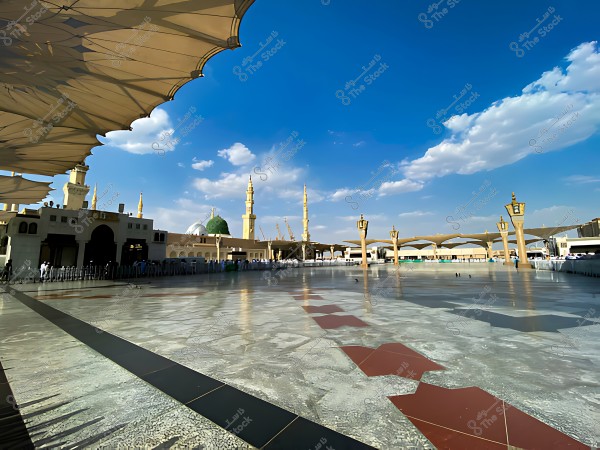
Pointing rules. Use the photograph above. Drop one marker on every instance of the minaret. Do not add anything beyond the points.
(249, 218)
(95, 197)
(212, 213)
(306, 234)
(140, 206)
(75, 189)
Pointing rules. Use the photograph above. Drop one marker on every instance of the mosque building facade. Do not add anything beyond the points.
(76, 235)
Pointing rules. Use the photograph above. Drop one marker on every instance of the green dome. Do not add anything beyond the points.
(217, 225)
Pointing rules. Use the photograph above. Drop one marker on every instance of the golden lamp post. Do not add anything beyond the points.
(516, 211)
(363, 225)
(503, 229)
(394, 238)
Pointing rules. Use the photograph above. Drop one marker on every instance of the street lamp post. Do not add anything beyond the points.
(394, 238)
(516, 211)
(363, 225)
(503, 229)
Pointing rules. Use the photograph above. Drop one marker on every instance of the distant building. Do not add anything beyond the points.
(562, 246)
(590, 229)
(76, 235)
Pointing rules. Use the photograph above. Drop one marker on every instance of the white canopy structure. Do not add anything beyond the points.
(75, 69)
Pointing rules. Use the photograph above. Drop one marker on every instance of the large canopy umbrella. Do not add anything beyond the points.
(70, 72)
(17, 190)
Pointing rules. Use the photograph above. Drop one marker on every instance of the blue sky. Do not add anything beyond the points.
(525, 119)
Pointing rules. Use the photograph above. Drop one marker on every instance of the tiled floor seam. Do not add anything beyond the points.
(457, 431)
(281, 431)
(38, 306)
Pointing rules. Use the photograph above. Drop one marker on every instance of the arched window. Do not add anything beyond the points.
(23, 227)
(155, 237)
(33, 228)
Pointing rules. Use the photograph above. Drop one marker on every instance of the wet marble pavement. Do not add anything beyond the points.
(409, 358)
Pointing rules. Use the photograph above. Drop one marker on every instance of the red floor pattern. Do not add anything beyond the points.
(391, 359)
(328, 322)
(473, 418)
(325, 309)
(307, 297)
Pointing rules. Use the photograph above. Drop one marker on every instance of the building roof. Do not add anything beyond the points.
(217, 225)
(197, 229)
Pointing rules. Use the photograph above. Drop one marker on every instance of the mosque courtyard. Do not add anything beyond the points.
(319, 358)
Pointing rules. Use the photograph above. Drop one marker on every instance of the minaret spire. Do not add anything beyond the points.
(95, 197)
(306, 234)
(140, 206)
(249, 218)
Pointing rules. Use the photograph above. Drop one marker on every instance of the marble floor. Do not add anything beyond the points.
(317, 358)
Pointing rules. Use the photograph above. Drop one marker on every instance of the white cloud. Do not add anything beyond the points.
(399, 187)
(340, 194)
(238, 154)
(558, 110)
(359, 144)
(201, 165)
(180, 164)
(148, 135)
(581, 179)
(230, 185)
(178, 219)
(415, 214)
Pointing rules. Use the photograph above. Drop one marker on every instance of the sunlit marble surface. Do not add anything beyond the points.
(256, 336)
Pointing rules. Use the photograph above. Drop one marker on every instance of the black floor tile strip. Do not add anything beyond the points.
(13, 432)
(254, 420)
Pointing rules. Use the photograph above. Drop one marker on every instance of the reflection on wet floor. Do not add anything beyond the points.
(319, 345)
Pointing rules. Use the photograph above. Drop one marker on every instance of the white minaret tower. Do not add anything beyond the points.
(249, 218)
(75, 189)
(306, 234)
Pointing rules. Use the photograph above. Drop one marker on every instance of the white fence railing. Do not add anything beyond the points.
(589, 267)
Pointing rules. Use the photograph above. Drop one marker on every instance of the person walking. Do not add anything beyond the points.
(517, 262)
(43, 269)
(7, 272)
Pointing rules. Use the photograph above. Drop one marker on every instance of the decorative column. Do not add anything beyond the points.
(332, 250)
(218, 243)
(303, 251)
(394, 238)
(516, 212)
(363, 226)
(81, 253)
(503, 229)
(269, 246)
